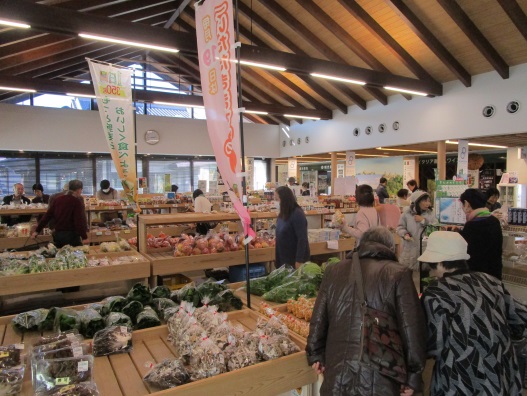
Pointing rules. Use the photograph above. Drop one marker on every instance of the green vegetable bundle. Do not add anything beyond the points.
(228, 301)
(331, 262)
(91, 322)
(190, 294)
(113, 304)
(259, 286)
(66, 319)
(30, 320)
(141, 293)
(48, 322)
(132, 309)
(147, 318)
(160, 292)
(209, 291)
(117, 319)
(160, 304)
(292, 289)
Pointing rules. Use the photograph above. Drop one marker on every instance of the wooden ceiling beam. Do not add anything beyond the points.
(375, 29)
(421, 31)
(516, 14)
(475, 36)
(22, 48)
(131, 7)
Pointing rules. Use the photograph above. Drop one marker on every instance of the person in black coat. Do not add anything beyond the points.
(40, 197)
(482, 231)
(17, 198)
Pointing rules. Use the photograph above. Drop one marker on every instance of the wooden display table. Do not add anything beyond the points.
(121, 375)
(27, 211)
(27, 283)
(21, 242)
(99, 236)
(256, 301)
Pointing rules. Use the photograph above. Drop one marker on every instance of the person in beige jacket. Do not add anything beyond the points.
(367, 216)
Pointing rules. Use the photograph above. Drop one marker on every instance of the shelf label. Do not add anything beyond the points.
(82, 366)
(63, 380)
(107, 233)
(98, 233)
(126, 231)
(334, 245)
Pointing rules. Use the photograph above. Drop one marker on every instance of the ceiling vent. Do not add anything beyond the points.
(488, 111)
(356, 132)
(513, 106)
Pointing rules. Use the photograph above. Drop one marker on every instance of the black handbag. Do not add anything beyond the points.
(381, 346)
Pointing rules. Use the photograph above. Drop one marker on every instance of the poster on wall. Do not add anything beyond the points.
(462, 160)
(340, 170)
(350, 164)
(408, 170)
(291, 168)
(486, 179)
(473, 178)
(249, 170)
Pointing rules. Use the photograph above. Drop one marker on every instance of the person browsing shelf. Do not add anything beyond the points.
(40, 197)
(17, 198)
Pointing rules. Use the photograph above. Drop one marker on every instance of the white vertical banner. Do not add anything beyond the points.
(408, 170)
(349, 166)
(292, 167)
(113, 89)
(340, 170)
(249, 171)
(462, 159)
(216, 52)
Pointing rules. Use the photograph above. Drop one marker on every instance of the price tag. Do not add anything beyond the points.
(66, 389)
(333, 244)
(19, 346)
(98, 233)
(107, 233)
(4, 354)
(124, 329)
(62, 381)
(82, 366)
(77, 351)
(126, 231)
(156, 206)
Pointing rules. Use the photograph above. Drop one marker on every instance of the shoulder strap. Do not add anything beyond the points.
(356, 271)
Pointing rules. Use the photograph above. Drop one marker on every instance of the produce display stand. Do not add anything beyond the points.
(121, 375)
(21, 242)
(256, 301)
(99, 236)
(18, 212)
(27, 283)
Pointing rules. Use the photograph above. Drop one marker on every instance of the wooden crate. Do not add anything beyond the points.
(256, 301)
(121, 375)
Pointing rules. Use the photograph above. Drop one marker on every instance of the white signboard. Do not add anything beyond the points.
(349, 169)
(345, 185)
(408, 170)
(291, 167)
(462, 159)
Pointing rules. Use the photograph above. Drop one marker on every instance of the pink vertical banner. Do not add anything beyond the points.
(215, 33)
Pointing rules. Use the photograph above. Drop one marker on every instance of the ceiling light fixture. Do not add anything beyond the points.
(179, 104)
(126, 42)
(405, 91)
(372, 155)
(478, 144)
(14, 24)
(283, 129)
(300, 116)
(256, 112)
(262, 65)
(81, 95)
(405, 150)
(17, 89)
(347, 80)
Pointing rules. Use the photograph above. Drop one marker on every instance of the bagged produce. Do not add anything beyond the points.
(49, 322)
(117, 319)
(11, 380)
(259, 285)
(10, 355)
(91, 322)
(190, 294)
(161, 292)
(62, 353)
(55, 337)
(169, 312)
(141, 293)
(228, 301)
(112, 340)
(276, 277)
(30, 320)
(113, 304)
(206, 360)
(83, 389)
(73, 340)
(66, 319)
(160, 304)
(167, 374)
(147, 318)
(132, 309)
(209, 291)
(98, 307)
(51, 375)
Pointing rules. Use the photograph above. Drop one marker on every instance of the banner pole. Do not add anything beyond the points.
(242, 146)
(134, 101)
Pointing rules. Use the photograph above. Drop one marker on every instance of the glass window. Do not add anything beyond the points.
(260, 174)
(105, 169)
(17, 170)
(57, 101)
(205, 170)
(55, 172)
(174, 172)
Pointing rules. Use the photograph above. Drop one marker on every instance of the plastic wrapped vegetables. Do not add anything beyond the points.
(91, 322)
(117, 319)
(291, 289)
(147, 318)
(112, 340)
(66, 319)
(30, 320)
(209, 290)
(160, 304)
(228, 301)
(85, 389)
(167, 374)
(141, 293)
(190, 294)
(113, 304)
(132, 309)
(160, 292)
(51, 375)
(11, 380)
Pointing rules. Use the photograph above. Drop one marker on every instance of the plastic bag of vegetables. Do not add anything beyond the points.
(160, 304)
(277, 277)
(118, 319)
(91, 322)
(132, 309)
(190, 294)
(66, 319)
(147, 318)
(210, 290)
(11, 380)
(51, 375)
(30, 320)
(160, 292)
(331, 262)
(113, 304)
(167, 374)
(259, 285)
(141, 293)
(112, 340)
(292, 289)
(310, 271)
(228, 301)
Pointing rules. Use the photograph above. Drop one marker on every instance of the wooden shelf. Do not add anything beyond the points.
(15, 212)
(109, 236)
(27, 283)
(20, 242)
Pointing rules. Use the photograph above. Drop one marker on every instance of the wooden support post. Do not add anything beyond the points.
(333, 171)
(441, 159)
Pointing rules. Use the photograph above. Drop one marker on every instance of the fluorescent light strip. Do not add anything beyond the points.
(262, 65)
(256, 112)
(125, 42)
(283, 129)
(14, 24)
(81, 95)
(179, 104)
(406, 151)
(358, 82)
(479, 144)
(406, 91)
(299, 116)
(372, 155)
(17, 89)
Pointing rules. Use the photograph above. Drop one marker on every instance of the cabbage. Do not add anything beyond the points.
(331, 262)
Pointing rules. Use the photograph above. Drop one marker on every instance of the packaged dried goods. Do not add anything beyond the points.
(51, 375)
(238, 357)
(11, 380)
(169, 312)
(206, 360)
(66, 352)
(112, 340)
(275, 346)
(10, 355)
(167, 374)
(83, 389)
(50, 338)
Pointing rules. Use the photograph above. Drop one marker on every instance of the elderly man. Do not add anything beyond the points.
(69, 218)
(17, 198)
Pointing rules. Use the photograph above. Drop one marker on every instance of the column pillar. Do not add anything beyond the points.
(441, 159)
(333, 171)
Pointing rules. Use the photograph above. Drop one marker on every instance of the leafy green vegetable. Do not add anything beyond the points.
(132, 309)
(160, 292)
(117, 319)
(283, 292)
(28, 321)
(209, 291)
(331, 262)
(277, 276)
(141, 293)
(113, 304)
(259, 286)
(190, 294)
(47, 323)
(147, 318)
(91, 322)
(66, 319)
(160, 304)
(229, 301)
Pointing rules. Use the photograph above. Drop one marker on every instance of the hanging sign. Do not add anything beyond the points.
(292, 165)
(408, 170)
(113, 90)
(462, 160)
(215, 34)
(349, 169)
(249, 170)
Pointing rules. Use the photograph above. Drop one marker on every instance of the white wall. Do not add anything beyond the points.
(45, 129)
(456, 114)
